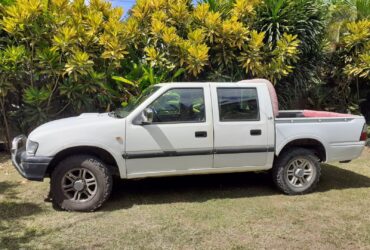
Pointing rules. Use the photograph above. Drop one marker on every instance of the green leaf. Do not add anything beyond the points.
(178, 73)
(124, 80)
(36, 96)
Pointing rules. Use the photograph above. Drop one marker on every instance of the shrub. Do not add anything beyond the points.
(59, 57)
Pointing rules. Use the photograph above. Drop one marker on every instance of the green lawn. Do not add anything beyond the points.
(240, 211)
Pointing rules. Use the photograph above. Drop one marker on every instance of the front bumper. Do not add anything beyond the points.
(30, 167)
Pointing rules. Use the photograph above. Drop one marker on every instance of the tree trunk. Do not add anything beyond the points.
(6, 125)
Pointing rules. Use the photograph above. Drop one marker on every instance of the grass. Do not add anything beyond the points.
(232, 211)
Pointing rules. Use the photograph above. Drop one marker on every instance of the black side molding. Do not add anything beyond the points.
(243, 150)
(347, 161)
(199, 152)
(167, 154)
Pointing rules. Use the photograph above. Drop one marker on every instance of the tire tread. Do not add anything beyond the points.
(97, 163)
(283, 159)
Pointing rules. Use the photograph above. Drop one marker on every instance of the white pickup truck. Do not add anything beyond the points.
(186, 128)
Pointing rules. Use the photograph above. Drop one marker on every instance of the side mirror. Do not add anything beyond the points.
(147, 116)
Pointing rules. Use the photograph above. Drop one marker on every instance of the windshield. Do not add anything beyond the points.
(123, 112)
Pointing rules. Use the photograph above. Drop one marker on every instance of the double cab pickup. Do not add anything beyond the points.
(182, 129)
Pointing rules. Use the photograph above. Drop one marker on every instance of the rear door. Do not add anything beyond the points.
(240, 127)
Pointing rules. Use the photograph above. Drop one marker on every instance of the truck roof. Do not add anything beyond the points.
(243, 83)
(189, 84)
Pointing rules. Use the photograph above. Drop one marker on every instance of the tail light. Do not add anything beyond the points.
(363, 136)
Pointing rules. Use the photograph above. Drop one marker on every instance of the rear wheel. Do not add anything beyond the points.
(80, 183)
(297, 171)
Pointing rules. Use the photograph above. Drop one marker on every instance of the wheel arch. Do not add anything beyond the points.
(98, 152)
(312, 144)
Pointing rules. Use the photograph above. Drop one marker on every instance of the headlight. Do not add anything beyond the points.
(31, 147)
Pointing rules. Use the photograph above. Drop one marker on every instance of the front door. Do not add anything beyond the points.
(179, 139)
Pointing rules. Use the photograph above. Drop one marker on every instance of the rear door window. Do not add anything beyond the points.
(238, 104)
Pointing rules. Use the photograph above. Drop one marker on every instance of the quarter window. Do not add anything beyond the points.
(238, 104)
(179, 105)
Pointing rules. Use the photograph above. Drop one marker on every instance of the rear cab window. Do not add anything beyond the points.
(238, 104)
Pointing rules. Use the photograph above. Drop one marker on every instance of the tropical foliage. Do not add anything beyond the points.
(57, 57)
(346, 70)
(62, 57)
(306, 20)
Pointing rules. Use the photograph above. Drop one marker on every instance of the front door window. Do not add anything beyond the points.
(179, 106)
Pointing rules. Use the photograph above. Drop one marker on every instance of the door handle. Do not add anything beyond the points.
(201, 134)
(256, 132)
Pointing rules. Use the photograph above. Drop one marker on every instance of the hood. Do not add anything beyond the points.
(72, 123)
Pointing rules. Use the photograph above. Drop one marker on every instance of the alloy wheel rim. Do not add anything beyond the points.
(300, 173)
(79, 185)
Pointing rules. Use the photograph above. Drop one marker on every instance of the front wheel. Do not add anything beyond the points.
(80, 183)
(297, 171)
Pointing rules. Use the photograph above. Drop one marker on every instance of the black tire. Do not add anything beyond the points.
(86, 165)
(283, 175)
